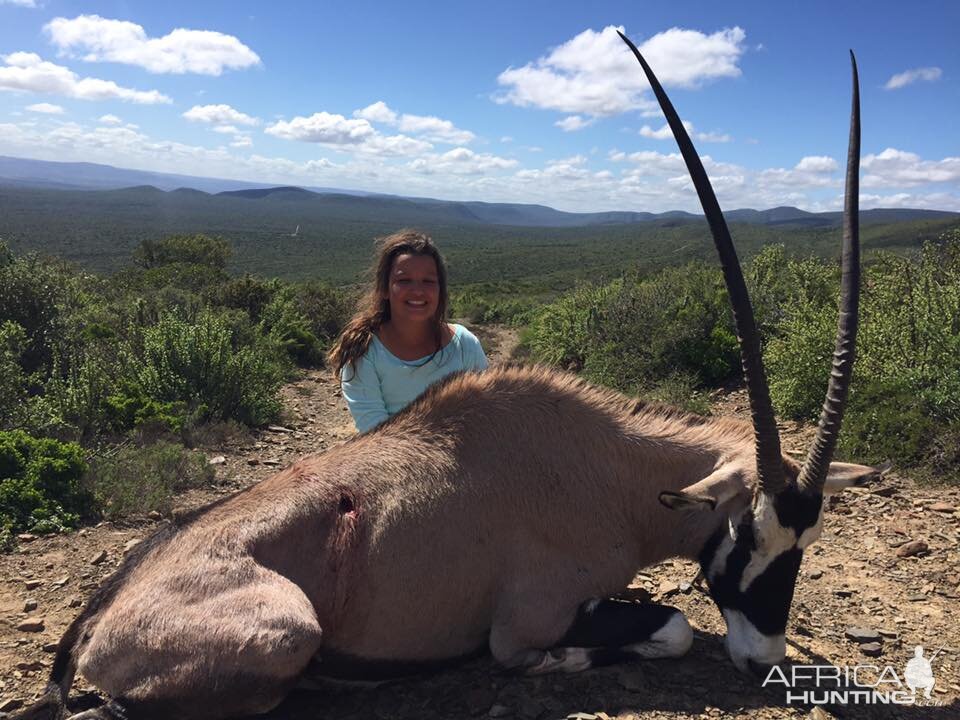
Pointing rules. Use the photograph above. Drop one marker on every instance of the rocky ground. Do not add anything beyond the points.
(883, 578)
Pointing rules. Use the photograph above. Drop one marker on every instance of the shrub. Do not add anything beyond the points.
(13, 381)
(40, 489)
(142, 479)
(196, 363)
(199, 249)
(285, 326)
(326, 309)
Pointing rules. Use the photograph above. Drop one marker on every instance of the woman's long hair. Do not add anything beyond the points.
(373, 310)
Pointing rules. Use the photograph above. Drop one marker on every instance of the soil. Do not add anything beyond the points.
(854, 577)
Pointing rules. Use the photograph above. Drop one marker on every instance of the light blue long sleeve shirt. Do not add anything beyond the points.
(381, 384)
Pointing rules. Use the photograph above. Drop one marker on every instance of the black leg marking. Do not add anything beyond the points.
(615, 623)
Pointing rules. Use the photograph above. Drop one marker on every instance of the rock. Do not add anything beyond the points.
(862, 635)
(916, 597)
(10, 705)
(49, 647)
(942, 507)
(668, 588)
(26, 537)
(130, 545)
(499, 711)
(29, 605)
(253, 461)
(75, 602)
(273, 462)
(884, 491)
(843, 592)
(914, 547)
(60, 582)
(154, 515)
(218, 460)
(31, 625)
(815, 574)
(873, 649)
(278, 429)
(30, 666)
(685, 587)
(818, 713)
(33, 584)
(98, 558)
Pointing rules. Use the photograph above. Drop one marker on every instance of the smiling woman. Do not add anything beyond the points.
(399, 342)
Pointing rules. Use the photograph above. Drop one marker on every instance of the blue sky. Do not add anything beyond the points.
(498, 101)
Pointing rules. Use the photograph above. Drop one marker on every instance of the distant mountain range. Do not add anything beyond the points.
(317, 202)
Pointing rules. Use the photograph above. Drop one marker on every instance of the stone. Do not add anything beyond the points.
(942, 507)
(873, 649)
(884, 491)
(50, 647)
(10, 704)
(60, 582)
(26, 537)
(862, 634)
(33, 584)
(815, 574)
(273, 462)
(30, 666)
(279, 429)
(253, 461)
(29, 605)
(668, 588)
(130, 545)
(818, 713)
(154, 515)
(98, 558)
(34, 624)
(914, 547)
(75, 602)
(218, 460)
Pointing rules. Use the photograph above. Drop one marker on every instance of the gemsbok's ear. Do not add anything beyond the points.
(844, 475)
(714, 490)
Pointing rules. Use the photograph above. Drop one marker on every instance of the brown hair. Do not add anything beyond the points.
(373, 309)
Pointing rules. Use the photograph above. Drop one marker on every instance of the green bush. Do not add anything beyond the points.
(40, 488)
(141, 479)
(198, 249)
(284, 325)
(13, 381)
(197, 363)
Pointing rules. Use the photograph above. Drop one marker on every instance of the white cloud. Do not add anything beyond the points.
(219, 115)
(434, 129)
(98, 39)
(45, 108)
(571, 123)
(461, 161)
(896, 168)
(109, 119)
(21, 3)
(665, 133)
(506, 139)
(378, 112)
(227, 129)
(713, 137)
(323, 127)
(926, 74)
(28, 72)
(817, 164)
(242, 141)
(594, 73)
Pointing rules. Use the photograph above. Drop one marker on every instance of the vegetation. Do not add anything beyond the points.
(106, 381)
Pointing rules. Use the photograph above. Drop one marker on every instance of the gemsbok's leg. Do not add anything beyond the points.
(202, 651)
(606, 632)
(601, 632)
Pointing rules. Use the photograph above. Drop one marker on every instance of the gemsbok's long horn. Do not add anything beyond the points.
(815, 467)
(771, 478)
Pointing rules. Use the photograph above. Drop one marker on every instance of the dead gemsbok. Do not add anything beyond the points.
(498, 511)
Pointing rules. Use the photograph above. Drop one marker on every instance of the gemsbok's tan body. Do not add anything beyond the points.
(499, 511)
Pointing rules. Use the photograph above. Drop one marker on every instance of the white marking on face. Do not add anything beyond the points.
(772, 539)
(745, 642)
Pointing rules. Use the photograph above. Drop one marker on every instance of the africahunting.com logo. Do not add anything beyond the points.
(858, 684)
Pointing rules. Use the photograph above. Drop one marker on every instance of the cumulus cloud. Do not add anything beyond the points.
(45, 108)
(571, 123)
(817, 164)
(434, 129)
(595, 74)
(896, 168)
(242, 141)
(461, 161)
(28, 72)
(378, 112)
(926, 74)
(21, 3)
(109, 119)
(97, 39)
(323, 127)
(219, 115)
(665, 133)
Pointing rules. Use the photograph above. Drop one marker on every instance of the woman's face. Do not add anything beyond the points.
(413, 290)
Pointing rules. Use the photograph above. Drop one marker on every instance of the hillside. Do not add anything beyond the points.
(100, 228)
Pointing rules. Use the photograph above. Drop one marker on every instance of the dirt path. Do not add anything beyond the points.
(856, 577)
